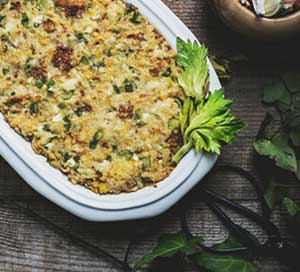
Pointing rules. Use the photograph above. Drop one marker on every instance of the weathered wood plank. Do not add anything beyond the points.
(27, 244)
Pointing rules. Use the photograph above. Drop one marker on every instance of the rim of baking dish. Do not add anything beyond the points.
(171, 27)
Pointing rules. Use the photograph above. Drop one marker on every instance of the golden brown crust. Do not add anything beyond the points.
(95, 94)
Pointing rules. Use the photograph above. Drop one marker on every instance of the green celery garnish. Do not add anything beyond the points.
(206, 121)
(195, 78)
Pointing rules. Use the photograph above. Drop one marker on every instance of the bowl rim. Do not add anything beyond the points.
(250, 13)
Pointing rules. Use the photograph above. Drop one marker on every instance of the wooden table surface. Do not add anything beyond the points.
(28, 244)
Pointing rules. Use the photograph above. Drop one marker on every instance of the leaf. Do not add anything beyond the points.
(273, 194)
(292, 119)
(292, 207)
(195, 78)
(273, 92)
(221, 67)
(230, 242)
(296, 100)
(187, 52)
(168, 246)
(295, 136)
(224, 263)
(211, 126)
(278, 150)
(270, 195)
(262, 132)
(292, 81)
(185, 113)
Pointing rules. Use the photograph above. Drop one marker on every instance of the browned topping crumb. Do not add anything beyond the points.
(49, 26)
(125, 110)
(15, 5)
(138, 36)
(154, 71)
(38, 73)
(72, 7)
(70, 3)
(62, 58)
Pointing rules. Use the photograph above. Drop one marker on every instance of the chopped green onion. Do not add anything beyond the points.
(66, 95)
(80, 37)
(47, 128)
(97, 138)
(111, 109)
(128, 86)
(127, 154)
(5, 71)
(50, 84)
(1, 18)
(61, 105)
(117, 90)
(85, 60)
(68, 123)
(25, 20)
(146, 163)
(136, 18)
(33, 107)
(39, 84)
(167, 72)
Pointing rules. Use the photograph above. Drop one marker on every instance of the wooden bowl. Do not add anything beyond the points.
(244, 21)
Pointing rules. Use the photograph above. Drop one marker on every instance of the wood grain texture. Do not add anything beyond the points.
(27, 244)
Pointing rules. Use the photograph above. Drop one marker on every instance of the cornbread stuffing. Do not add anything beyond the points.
(93, 86)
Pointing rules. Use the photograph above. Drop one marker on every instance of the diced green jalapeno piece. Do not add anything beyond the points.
(136, 18)
(5, 71)
(50, 83)
(33, 107)
(67, 156)
(39, 84)
(117, 90)
(80, 37)
(111, 109)
(128, 86)
(167, 72)
(25, 20)
(97, 138)
(85, 60)
(1, 18)
(68, 123)
(66, 95)
(47, 128)
(137, 115)
(127, 154)
(146, 163)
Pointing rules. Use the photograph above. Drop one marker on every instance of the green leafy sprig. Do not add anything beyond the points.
(170, 245)
(206, 121)
(278, 143)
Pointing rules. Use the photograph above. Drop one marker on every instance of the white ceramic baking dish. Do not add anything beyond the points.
(144, 203)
